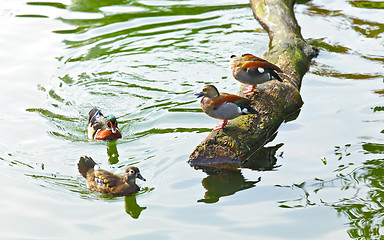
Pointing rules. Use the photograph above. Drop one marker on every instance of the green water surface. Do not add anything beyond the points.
(142, 61)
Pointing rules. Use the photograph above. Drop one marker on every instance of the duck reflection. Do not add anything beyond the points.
(226, 182)
(132, 208)
(112, 152)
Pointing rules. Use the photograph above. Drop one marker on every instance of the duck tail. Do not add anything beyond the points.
(276, 76)
(248, 110)
(85, 164)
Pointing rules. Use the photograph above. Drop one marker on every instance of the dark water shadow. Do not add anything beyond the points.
(222, 183)
(225, 182)
(131, 207)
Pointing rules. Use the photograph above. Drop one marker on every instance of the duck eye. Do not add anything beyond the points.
(131, 171)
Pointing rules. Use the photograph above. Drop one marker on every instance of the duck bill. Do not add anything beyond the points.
(113, 129)
(200, 94)
(140, 177)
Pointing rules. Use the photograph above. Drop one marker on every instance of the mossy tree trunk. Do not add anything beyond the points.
(274, 101)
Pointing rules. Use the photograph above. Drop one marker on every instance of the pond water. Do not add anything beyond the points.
(142, 61)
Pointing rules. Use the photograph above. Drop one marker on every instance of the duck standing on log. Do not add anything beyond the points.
(253, 70)
(223, 106)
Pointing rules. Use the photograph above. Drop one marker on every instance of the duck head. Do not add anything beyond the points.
(208, 91)
(112, 123)
(131, 173)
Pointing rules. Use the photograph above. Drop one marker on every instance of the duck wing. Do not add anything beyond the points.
(261, 64)
(108, 178)
(226, 97)
(256, 68)
(250, 57)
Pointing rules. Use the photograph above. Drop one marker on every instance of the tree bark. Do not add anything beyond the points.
(273, 101)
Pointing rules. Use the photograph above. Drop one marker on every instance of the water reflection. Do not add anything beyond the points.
(364, 209)
(133, 25)
(126, 52)
(112, 152)
(56, 180)
(364, 186)
(369, 29)
(132, 208)
(66, 129)
(367, 4)
(94, 6)
(222, 182)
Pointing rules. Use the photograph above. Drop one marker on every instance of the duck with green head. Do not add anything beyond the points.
(101, 127)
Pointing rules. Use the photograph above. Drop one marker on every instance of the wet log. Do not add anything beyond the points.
(274, 101)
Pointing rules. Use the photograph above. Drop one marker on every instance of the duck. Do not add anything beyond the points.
(106, 182)
(253, 70)
(223, 106)
(101, 127)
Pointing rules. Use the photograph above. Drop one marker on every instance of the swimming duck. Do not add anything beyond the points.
(106, 182)
(223, 106)
(253, 70)
(102, 128)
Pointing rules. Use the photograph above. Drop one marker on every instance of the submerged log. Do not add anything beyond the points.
(273, 101)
